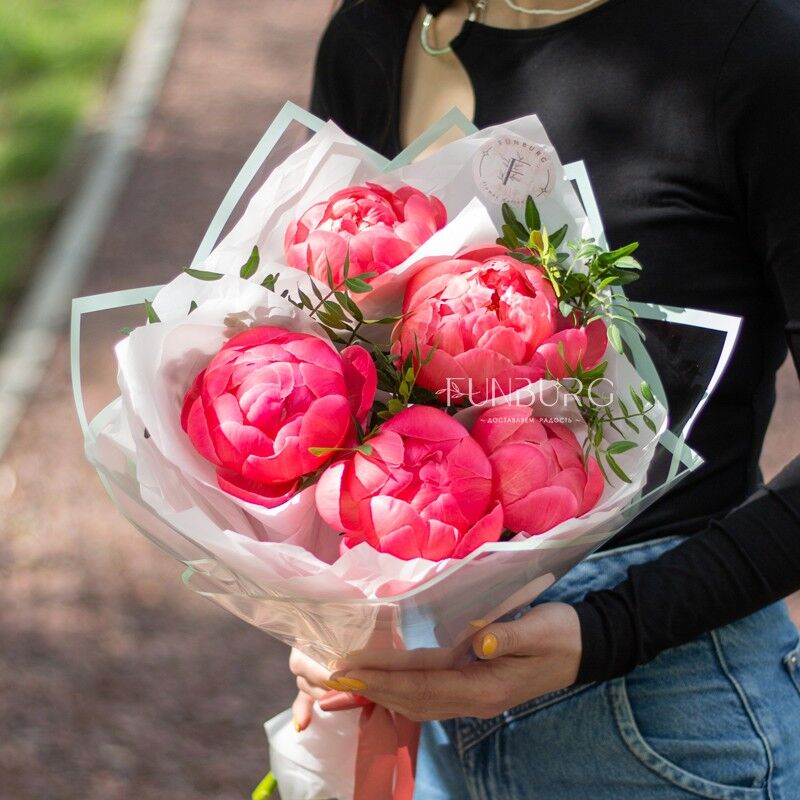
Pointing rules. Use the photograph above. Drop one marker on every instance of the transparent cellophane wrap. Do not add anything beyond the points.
(280, 569)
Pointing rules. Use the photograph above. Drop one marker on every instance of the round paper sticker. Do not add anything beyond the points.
(508, 169)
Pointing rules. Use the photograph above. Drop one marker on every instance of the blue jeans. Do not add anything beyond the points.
(717, 718)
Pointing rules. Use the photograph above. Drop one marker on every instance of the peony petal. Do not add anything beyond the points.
(269, 496)
(519, 469)
(440, 542)
(326, 423)
(399, 529)
(426, 423)
(321, 381)
(597, 343)
(593, 491)
(199, 433)
(540, 510)
(498, 424)
(487, 529)
(284, 466)
(328, 495)
(361, 380)
(235, 442)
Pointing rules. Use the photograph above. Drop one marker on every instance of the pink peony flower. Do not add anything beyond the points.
(495, 325)
(267, 397)
(379, 228)
(424, 492)
(539, 476)
(572, 346)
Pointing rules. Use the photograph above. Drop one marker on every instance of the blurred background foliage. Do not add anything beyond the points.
(56, 58)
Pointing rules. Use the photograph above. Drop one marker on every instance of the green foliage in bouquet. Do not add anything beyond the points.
(582, 279)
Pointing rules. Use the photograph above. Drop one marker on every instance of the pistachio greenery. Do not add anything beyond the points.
(583, 276)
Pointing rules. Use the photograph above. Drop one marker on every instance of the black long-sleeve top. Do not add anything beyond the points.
(687, 115)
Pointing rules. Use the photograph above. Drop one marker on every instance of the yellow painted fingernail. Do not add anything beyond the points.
(346, 684)
(297, 726)
(352, 684)
(488, 645)
(479, 623)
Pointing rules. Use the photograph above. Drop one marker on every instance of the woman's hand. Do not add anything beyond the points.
(520, 660)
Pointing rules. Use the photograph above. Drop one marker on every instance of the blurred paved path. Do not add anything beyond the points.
(115, 682)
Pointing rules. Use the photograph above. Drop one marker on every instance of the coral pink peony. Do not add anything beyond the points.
(425, 491)
(267, 397)
(539, 475)
(379, 228)
(495, 325)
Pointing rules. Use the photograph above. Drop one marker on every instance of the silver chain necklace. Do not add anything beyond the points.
(559, 12)
(478, 9)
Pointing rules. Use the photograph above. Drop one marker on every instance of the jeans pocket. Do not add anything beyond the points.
(792, 663)
(686, 718)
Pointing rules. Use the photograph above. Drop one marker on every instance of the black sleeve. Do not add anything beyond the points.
(751, 557)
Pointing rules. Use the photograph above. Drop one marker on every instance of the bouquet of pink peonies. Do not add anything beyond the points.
(389, 400)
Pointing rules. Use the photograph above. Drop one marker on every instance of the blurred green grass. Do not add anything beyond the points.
(56, 57)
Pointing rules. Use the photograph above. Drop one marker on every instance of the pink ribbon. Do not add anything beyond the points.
(387, 749)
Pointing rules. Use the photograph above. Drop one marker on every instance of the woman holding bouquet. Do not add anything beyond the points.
(665, 665)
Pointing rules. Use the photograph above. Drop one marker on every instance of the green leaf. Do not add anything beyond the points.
(632, 425)
(126, 331)
(559, 236)
(624, 408)
(305, 300)
(628, 262)
(345, 266)
(606, 259)
(333, 308)
(624, 277)
(321, 451)
(192, 306)
(617, 469)
(329, 273)
(647, 393)
(620, 447)
(532, 217)
(347, 302)
(517, 228)
(269, 282)
(510, 236)
(616, 428)
(357, 285)
(365, 449)
(565, 308)
(202, 274)
(650, 424)
(250, 267)
(615, 338)
(599, 463)
(151, 312)
(332, 322)
(637, 400)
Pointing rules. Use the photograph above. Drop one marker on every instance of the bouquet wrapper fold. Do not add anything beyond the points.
(275, 568)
